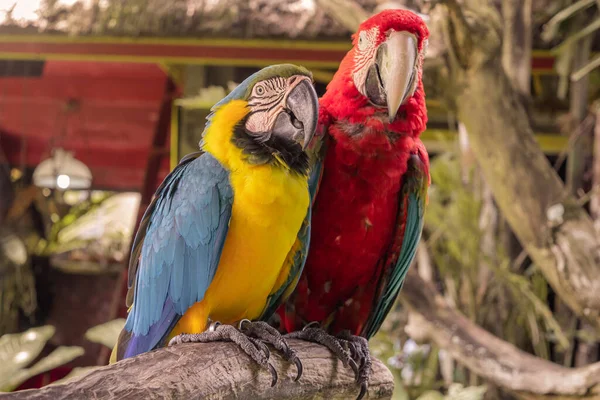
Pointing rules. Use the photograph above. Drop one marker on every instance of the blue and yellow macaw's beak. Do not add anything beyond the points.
(298, 119)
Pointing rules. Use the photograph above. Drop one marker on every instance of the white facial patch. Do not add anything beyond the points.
(266, 102)
(364, 56)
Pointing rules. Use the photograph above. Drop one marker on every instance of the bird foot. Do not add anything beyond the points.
(348, 348)
(334, 344)
(359, 348)
(217, 332)
(267, 334)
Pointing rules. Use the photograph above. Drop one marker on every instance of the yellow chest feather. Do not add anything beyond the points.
(270, 204)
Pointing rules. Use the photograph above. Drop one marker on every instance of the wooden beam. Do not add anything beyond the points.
(172, 51)
(165, 51)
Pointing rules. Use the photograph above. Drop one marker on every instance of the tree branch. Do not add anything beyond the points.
(217, 370)
(488, 356)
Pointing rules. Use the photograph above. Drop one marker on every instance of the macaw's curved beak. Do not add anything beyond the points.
(392, 81)
(298, 120)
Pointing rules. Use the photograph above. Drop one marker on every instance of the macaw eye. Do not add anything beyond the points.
(362, 40)
(260, 90)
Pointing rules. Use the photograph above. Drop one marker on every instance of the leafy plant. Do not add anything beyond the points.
(19, 350)
(483, 286)
(106, 333)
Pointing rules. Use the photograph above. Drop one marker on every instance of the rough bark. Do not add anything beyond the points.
(581, 150)
(578, 163)
(595, 200)
(488, 356)
(216, 371)
(516, 43)
(556, 232)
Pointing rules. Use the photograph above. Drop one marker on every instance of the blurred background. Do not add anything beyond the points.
(99, 99)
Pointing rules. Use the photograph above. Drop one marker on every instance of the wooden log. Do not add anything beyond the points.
(217, 371)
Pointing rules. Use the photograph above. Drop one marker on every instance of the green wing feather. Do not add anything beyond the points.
(413, 196)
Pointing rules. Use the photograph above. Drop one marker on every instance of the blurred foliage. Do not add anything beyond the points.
(17, 282)
(93, 235)
(53, 244)
(19, 350)
(508, 301)
(107, 333)
(456, 391)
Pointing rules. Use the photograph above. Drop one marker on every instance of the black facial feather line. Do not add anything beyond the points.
(267, 151)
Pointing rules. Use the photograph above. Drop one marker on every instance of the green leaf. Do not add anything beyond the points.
(19, 349)
(456, 391)
(60, 356)
(431, 395)
(107, 333)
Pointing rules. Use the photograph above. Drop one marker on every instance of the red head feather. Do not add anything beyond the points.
(343, 101)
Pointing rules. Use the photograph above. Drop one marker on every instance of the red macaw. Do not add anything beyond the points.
(368, 212)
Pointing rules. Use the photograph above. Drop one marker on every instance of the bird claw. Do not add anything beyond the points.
(253, 347)
(361, 352)
(267, 334)
(354, 367)
(180, 339)
(363, 390)
(261, 346)
(274, 376)
(318, 335)
(351, 350)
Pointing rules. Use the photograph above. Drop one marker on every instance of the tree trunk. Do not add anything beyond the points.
(577, 164)
(595, 199)
(556, 232)
(581, 151)
(564, 246)
(216, 371)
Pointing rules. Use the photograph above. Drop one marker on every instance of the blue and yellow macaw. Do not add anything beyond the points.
(226, 234)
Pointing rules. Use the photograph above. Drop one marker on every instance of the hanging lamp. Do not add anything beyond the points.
(62, 171)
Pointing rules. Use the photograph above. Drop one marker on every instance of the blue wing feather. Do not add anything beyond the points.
(179, 248)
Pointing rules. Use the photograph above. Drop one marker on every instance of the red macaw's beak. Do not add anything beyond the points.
(396, 62)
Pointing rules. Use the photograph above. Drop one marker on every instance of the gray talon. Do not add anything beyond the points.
(274, 377)
(352, 351)
(362, 353)
(217, 332)
(265, 333)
